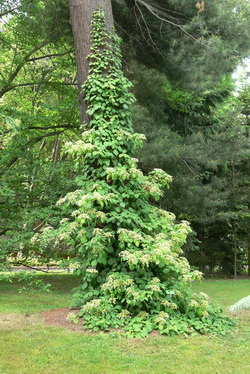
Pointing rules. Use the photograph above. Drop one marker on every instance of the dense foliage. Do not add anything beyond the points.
(128, 250)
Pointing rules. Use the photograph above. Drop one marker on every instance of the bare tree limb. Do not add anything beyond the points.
(189, 168)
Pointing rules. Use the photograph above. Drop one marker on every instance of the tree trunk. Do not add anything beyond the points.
(81, 12)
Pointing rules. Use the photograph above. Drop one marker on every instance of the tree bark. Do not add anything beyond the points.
(81, 12)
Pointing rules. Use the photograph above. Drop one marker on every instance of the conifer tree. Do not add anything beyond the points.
(128, 250)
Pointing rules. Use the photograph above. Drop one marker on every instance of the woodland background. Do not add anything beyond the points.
(180, 56)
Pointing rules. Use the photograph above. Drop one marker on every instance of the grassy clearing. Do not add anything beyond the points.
(42, 349)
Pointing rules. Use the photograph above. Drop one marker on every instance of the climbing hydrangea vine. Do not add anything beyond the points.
(134, 277)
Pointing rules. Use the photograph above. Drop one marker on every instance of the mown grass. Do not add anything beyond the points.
(60, 296)
(43, 349)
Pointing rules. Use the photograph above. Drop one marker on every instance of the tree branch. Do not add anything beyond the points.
(162, 16)
(9, 88)
(48, 56)
(189, 168)
(53, 127)
(2, 232)
(13, 75)
(34, 140)
(13, 9)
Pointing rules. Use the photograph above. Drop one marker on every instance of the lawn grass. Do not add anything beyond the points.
(226, 292)
(43, 349)
(60, 296)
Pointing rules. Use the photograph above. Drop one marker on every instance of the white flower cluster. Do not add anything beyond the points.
(92, 305)
(124, 314)
(136, 258)
(47, 229)
(143, 315)
(161, 318)
(134, 172)
(88, 135)
(161, 176)
(131, 291)
(101, 215)
(154, 287)
(164, 246)
(128, 235)
(177, 293)
(169, 304)
(83, 217)
(63, 236)
(194, 275)
(64, 220)
(199, 301)
(72, 197)
(114, 283)
(81, 233)
(75, 213)
(205, 314)
(73, 226)
(160, 237)
(162, 252)
(95, 196)
(169, 215)
(104, 234)
(122, 173)
(204, 295)
(138, 136)
(117, 173)
(72, 318)
(79, 147)
(153, 189)
(193, 304)
(123, 134)
(97, 243)
(91, 271)
(204, 304)
(165, 303)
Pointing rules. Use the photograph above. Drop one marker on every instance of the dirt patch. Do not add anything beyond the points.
(10, 321)
(54, 317)
(58, 317)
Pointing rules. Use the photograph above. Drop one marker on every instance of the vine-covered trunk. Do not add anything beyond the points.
(81, 12)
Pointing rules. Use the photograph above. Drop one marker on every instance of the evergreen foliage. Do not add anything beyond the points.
(128, 250)
(202, 141)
